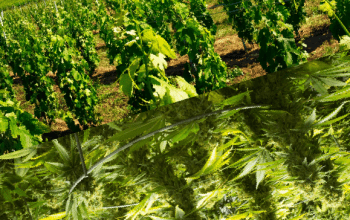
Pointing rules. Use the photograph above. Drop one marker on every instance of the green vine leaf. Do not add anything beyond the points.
(167, 93)
(185, 86)
(159, 61)
(159, 45)
(126, 84)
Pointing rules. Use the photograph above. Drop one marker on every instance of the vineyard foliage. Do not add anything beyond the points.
(275, 147)
(271, 25)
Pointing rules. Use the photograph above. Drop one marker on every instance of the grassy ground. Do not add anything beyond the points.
(113, 104)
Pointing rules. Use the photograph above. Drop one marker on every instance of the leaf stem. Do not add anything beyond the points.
(80, 153)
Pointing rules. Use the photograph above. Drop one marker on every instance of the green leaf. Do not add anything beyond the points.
(174, 95)
(326, 7)
(137, 129)
(260, 173)
(132, 181)
(323, 158)
(206, 198)
(20, 171)
(208, 164)
(5, 192)
(126, 84)
(141, 73)
(17, 154)
(114, 126)
(62, 151)
(82, 208)
(13, 124)
(30, 164)
(334, 120)
(54, 167)
(299, 217)
(76, 75)
(75, 211)
(249, 167)
(60, 215)
(332, 82)
(335, 73)
(216, 97)
(159, 209)
(243, 160)
(37, 204)
(230, 143)
(227, 114)
(239, 216)
(340, 94)
(247, 149)
(309, 121)
(188, 129)
(138, 208)
(160, 218)
(25, 137)
(3, 123)
(185, 86)
(30, 156)
(271, 163)
(167, 93)
(159, 45)
(133, 67)
(214, 162)
(228, 131)
(20, 192)
(159, 61)
(160, 87)
(182, 9)
(318, 86)
(179, 213)
(288, 59)
(162, 146)
(328, 117)
(150, 202)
